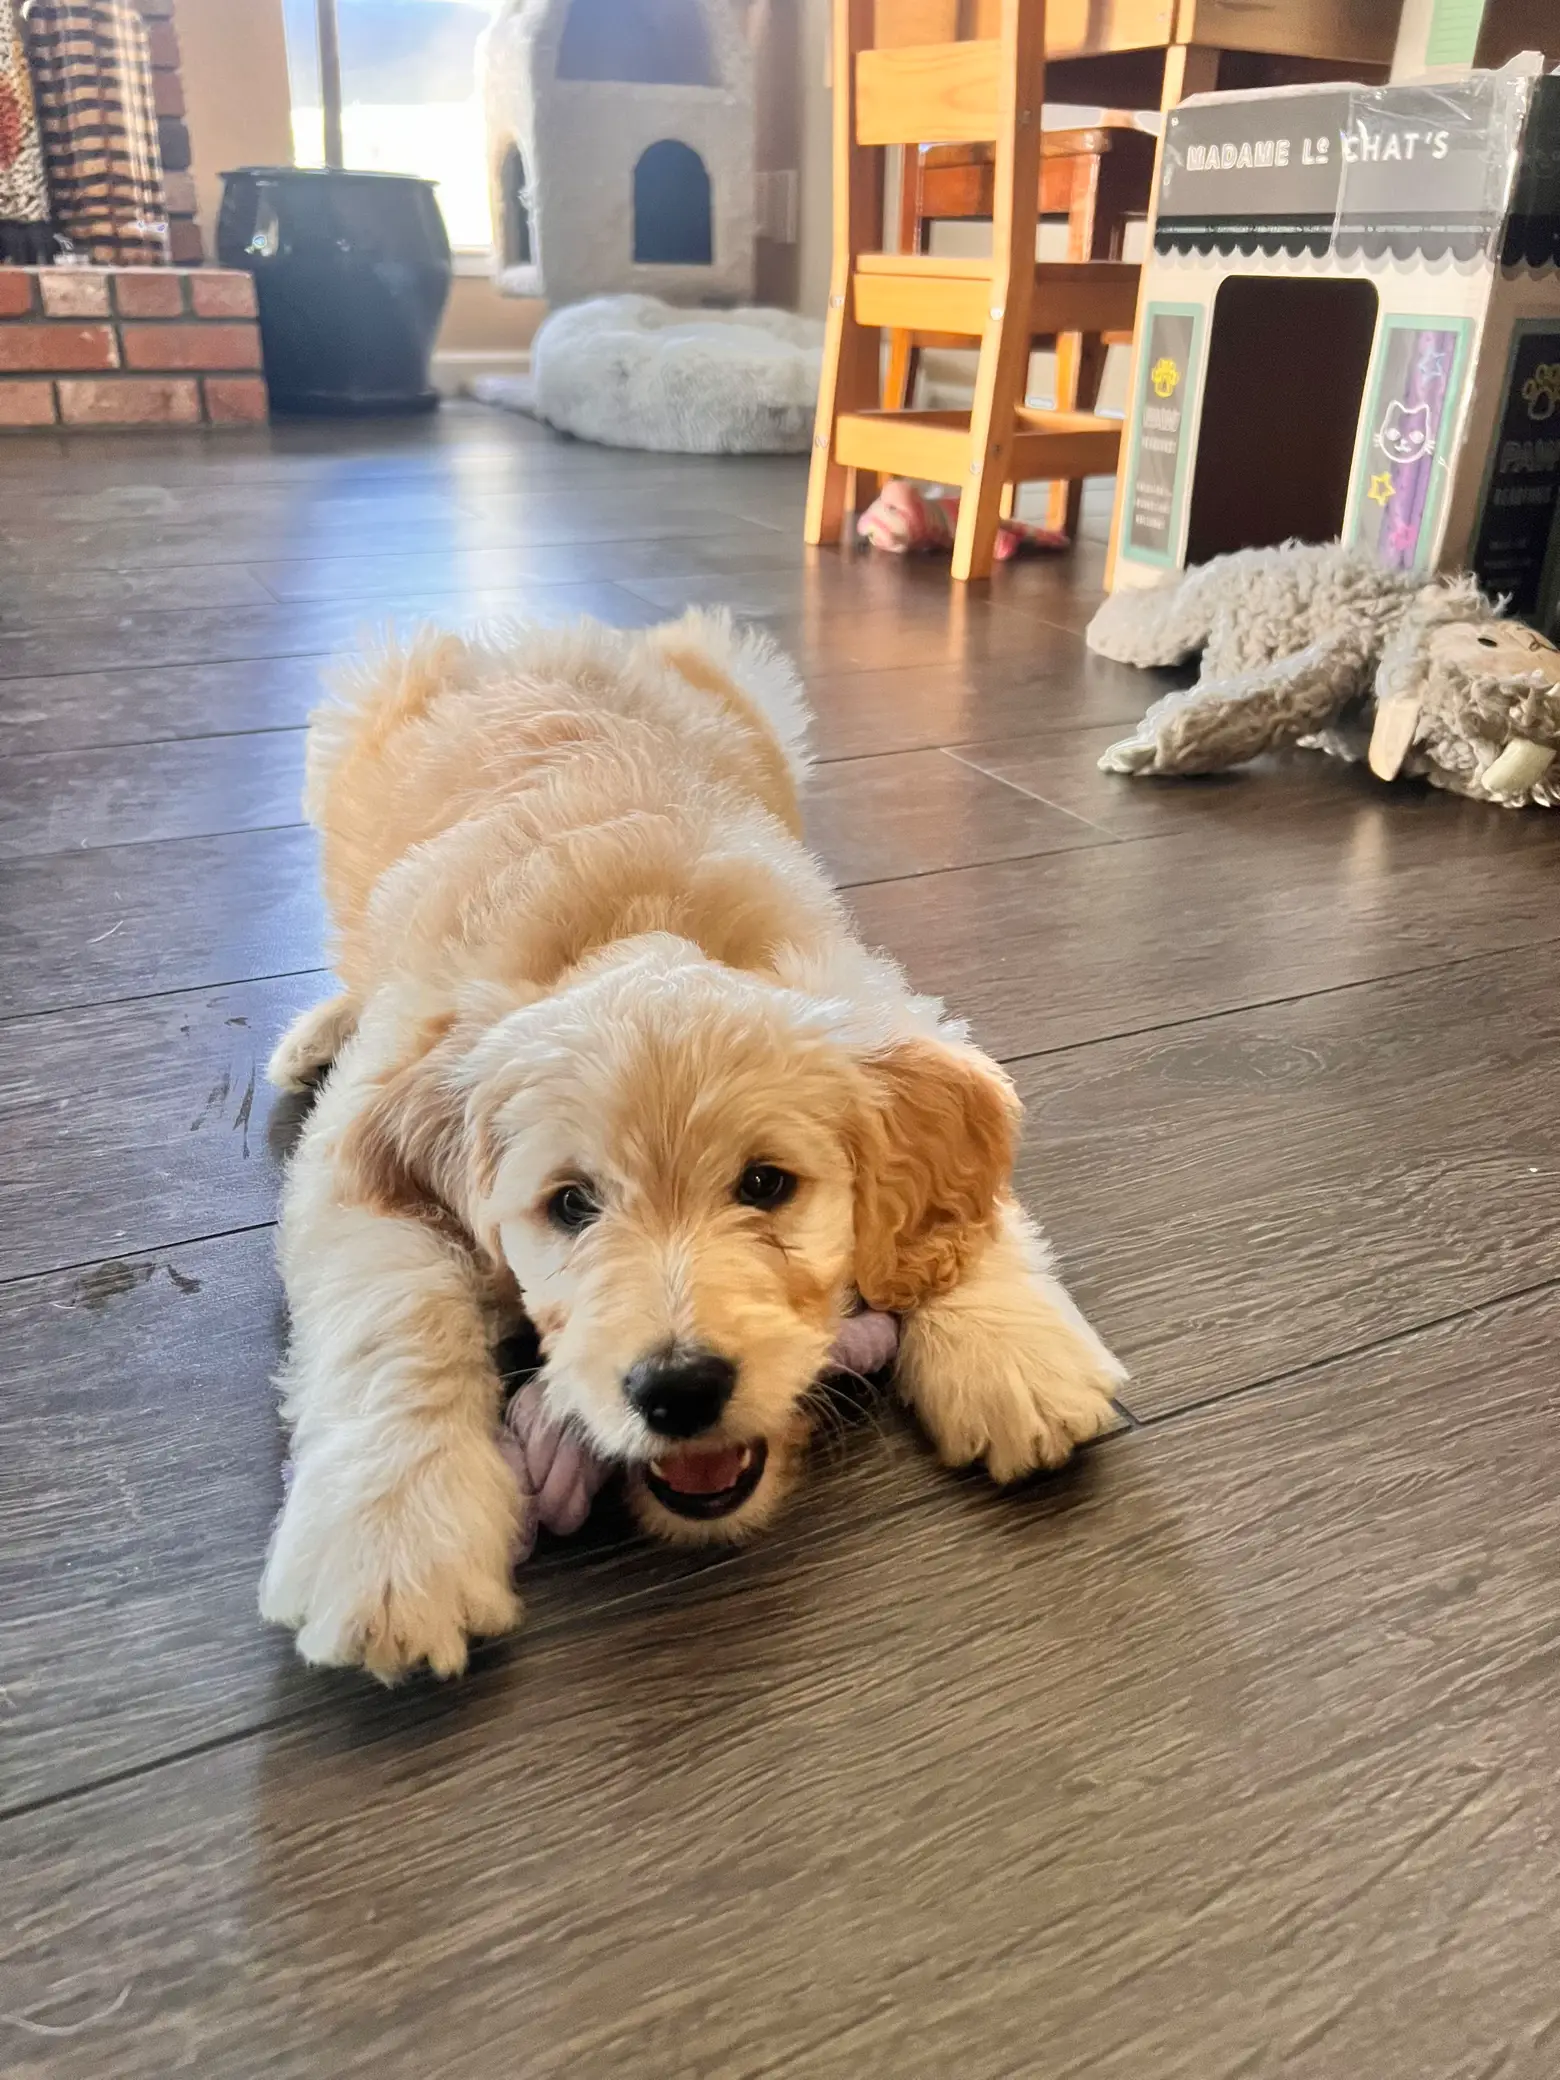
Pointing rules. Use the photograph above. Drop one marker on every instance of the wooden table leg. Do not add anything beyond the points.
(851, 353)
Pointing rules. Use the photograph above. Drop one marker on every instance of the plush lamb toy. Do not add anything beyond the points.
(1321, 646)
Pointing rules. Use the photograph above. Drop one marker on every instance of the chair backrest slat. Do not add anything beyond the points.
(946, 93)
(898, 22)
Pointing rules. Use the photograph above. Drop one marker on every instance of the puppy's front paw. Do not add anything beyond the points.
(393, 1578)
(311, 1043)
(1017, 1404)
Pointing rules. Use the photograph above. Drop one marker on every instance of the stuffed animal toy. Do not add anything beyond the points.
(1321, 646)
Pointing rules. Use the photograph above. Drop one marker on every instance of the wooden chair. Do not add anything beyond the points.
(1096, 179)
(984, 90)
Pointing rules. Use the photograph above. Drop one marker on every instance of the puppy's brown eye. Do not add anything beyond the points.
(765, 1186)
(571, 1208)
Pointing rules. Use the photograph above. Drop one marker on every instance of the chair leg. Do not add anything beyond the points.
(999, 389)
(1080, 369)
(1084, 235)
(861, 488)
(849, 384)
(851, 354)
(828, 479)
(904, 366)
(904, 356)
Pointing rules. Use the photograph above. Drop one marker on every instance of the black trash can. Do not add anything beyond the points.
(352, 271)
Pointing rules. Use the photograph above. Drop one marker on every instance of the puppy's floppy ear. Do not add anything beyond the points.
(934, 1146)
(411, 1148)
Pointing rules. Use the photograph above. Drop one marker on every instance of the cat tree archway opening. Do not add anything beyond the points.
(673, 207)
(663, 43)
(516, 227)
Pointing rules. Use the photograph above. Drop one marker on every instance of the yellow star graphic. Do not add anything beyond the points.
(1381, 488)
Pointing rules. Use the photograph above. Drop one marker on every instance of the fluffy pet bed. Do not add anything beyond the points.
(632, 372)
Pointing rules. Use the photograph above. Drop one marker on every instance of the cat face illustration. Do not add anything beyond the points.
(1404, 434)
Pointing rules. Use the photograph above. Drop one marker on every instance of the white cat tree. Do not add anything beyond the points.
(620, 139)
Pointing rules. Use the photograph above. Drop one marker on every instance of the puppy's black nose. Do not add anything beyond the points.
(681, 1393)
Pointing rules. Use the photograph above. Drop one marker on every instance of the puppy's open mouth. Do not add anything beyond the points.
(708, 1483)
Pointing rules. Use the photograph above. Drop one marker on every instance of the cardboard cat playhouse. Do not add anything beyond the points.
(1350, 325)
(621, 148)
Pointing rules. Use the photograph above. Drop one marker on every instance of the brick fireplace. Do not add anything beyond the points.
(91, 347)
(94, 347)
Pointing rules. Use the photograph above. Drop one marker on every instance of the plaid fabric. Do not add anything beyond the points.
(93, 81)
(24, 196)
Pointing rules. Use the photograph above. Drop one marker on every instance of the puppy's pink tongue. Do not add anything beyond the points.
(703, 1473)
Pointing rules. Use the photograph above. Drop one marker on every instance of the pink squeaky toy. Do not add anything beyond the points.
(559, 1476)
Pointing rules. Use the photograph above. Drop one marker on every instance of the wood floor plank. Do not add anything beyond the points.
(127, 794)
(650, 499)
(1231, 1753)
(216, 501)
(1081, 946)
(130, 1127)
(81, 710)
(482, 568)
(303, 531)
(66, 594)
(916, 812)
(828, 581)
(1062, 768)
(139, 1436)
(1246, 1195)
(921, 631)
(187, 913)
(1053, 684)
(195, 636)
(1064, 590)
(141, 1456)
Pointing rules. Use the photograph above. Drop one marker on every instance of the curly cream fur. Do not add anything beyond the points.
(581, 942)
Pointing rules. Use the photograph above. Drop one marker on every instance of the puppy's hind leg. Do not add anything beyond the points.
(1004, 1368)
(311, 1043)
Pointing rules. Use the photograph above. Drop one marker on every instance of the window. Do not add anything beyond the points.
(409, 98)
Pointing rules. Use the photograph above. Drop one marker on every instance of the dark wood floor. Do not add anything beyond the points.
(1229, 1754)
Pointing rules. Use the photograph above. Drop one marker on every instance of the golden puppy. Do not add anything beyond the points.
(607, 1049)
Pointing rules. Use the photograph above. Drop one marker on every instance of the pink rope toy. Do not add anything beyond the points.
(559, 1476)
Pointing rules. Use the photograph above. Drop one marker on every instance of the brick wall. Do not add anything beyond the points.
(185, 245)
(142, 346)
